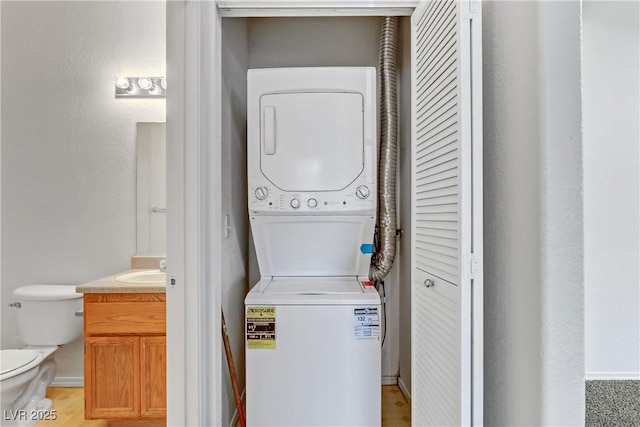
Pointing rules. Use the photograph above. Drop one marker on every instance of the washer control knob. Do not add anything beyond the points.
(312, 203)
(362, 192)
(261, 193)
(295, 203)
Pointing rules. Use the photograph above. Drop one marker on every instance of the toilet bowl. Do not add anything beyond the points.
(24, 377)
(46, 320)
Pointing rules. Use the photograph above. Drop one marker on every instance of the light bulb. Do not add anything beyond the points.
(123, 83)
(145, 83)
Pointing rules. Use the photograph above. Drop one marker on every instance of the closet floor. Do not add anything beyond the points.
(68, 403)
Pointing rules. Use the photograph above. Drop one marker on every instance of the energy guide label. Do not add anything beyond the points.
(366, 323)
(261, 328)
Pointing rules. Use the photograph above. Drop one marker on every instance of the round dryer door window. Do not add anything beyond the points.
(311, 141)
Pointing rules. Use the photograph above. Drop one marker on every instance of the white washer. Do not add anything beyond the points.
(323, 368)
(312, 323)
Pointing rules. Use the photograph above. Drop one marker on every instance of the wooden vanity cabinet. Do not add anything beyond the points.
(125, 356)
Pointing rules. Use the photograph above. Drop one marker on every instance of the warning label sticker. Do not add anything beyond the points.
(366, 323)
(261, 328)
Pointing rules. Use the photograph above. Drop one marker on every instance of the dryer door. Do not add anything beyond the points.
(311, 141)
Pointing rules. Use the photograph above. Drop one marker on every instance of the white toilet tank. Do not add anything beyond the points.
(47, 314)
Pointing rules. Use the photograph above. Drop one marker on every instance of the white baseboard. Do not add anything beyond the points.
(612, 376)
(68, 382)
(403, 388)
(234, 418)
(389, 380)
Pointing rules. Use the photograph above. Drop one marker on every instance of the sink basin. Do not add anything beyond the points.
(140, 277)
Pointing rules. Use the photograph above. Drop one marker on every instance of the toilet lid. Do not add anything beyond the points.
(12, 360)
(46, 293)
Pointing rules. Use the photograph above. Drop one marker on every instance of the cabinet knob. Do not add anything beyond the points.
(429, 283)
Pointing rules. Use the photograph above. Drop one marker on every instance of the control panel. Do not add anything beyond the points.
(266, 198)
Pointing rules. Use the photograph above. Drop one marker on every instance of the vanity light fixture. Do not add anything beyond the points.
(123, 83)
(145, 83)
(141, 87)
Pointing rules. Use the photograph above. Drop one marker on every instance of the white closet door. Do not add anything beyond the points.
(447, 216)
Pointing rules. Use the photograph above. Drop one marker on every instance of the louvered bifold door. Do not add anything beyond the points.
(444, 210)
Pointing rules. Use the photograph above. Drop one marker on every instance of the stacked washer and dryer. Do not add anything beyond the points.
(312, 322)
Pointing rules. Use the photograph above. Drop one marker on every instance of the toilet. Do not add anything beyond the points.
(48, 317)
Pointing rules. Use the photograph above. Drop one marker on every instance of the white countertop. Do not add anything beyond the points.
(109, 285)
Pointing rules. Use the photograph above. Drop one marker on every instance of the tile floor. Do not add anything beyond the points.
(69, 405)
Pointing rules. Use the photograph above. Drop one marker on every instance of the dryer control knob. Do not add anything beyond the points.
(362, 192)
(262, 193)
(312, 203)
(295, 203)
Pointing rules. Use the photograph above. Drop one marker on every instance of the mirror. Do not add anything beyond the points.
(151, 189)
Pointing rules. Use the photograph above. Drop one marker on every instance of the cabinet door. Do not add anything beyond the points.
(153, 374)
(112, 377)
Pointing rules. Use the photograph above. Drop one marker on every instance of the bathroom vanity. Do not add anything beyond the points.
(124, 349)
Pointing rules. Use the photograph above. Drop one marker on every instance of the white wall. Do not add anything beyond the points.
(68, 146)
(235, 248)
(1, 294)
(312, 42)
(611, 91)
(533, 301)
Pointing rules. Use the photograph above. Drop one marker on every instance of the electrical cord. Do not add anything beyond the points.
(379, 285)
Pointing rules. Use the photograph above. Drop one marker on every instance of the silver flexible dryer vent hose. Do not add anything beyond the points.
(382, 261)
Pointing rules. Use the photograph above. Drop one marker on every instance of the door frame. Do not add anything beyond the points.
(477, 197)
(193, 227)
(194, 220)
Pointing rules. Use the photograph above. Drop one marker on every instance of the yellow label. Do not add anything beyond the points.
(260, 327)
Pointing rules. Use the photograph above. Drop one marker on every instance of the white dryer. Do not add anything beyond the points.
(312, 324)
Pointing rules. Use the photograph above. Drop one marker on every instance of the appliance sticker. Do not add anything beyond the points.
(366, 323)
(261, 328)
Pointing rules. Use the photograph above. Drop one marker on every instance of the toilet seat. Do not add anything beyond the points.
(14, 362)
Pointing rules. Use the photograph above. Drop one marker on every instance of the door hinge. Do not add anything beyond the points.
(470, 9)
(472, 265)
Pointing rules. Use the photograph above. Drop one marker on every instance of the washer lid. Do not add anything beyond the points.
(313, 246)
(316, 291)
(46, 293)
(314, 286)
(13, 360)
